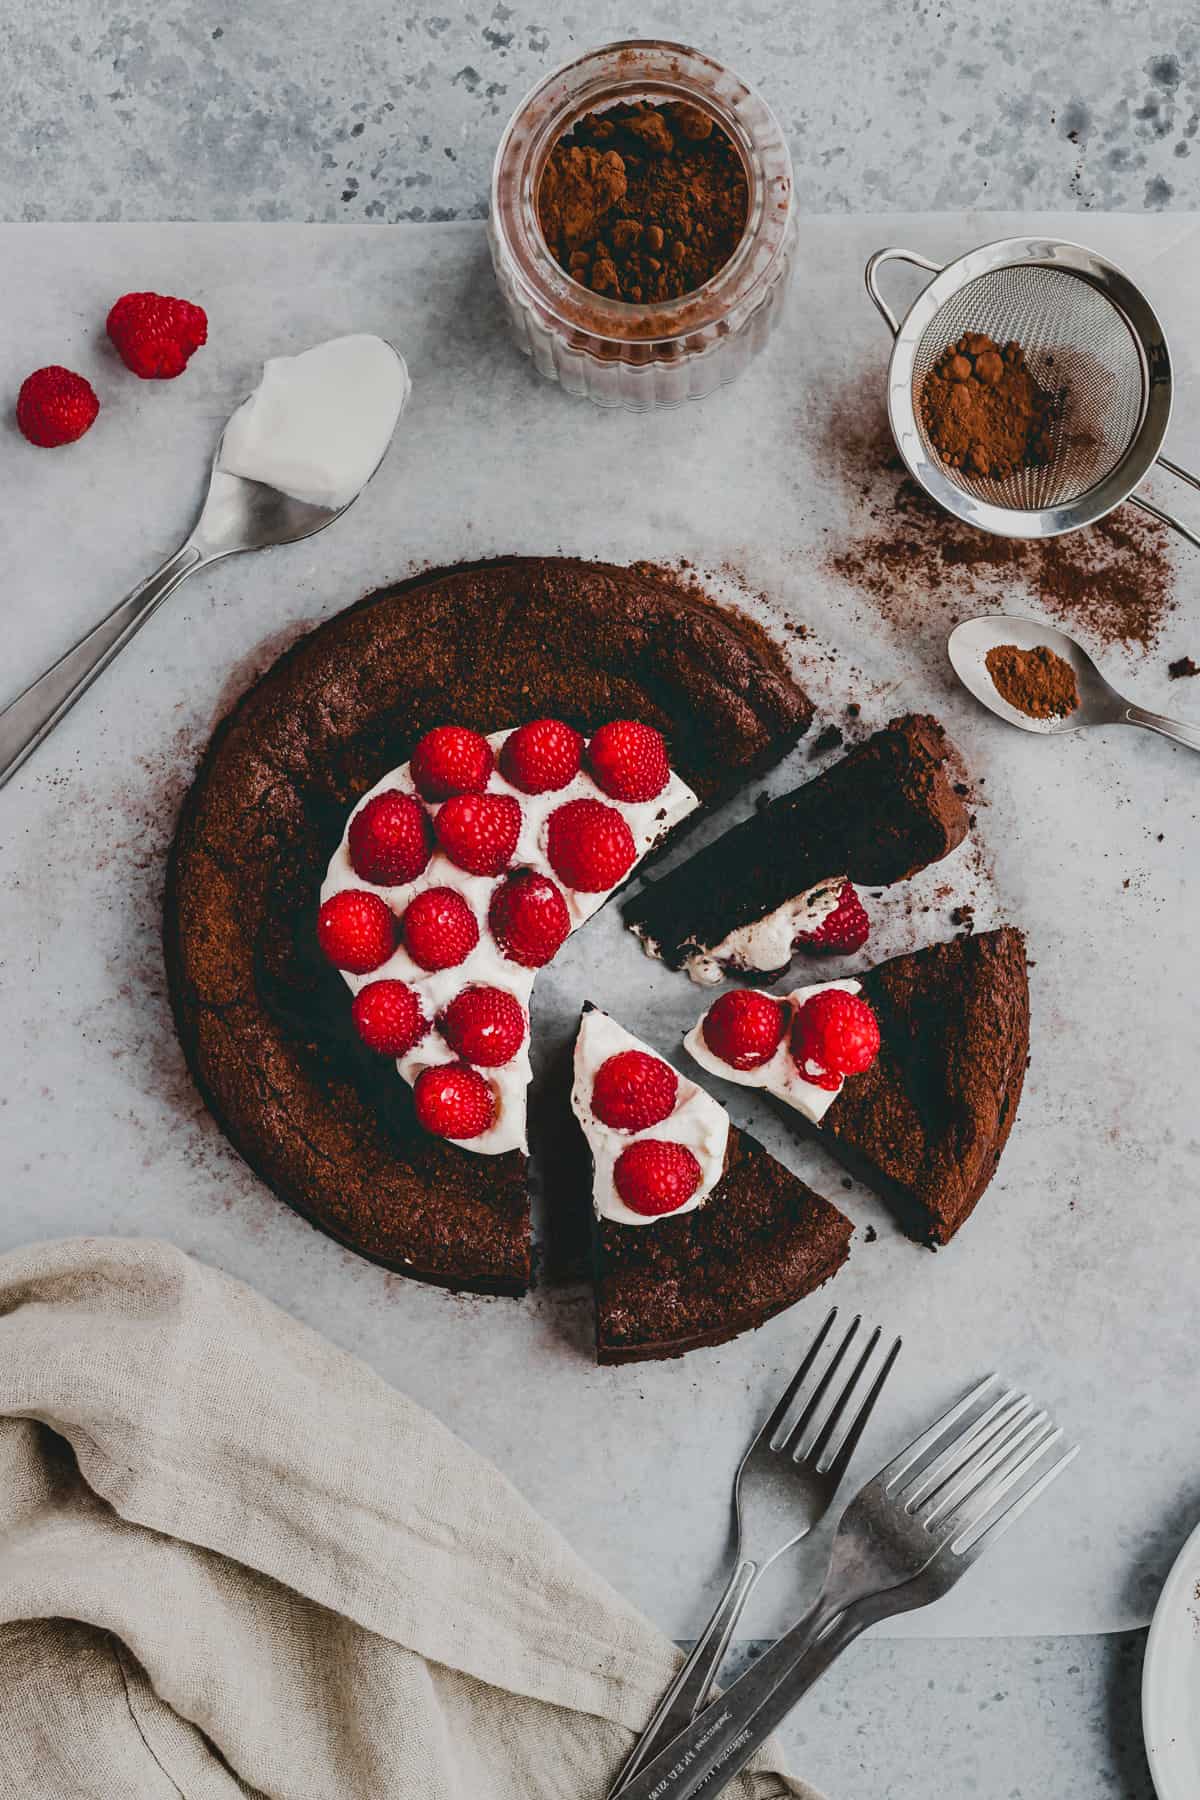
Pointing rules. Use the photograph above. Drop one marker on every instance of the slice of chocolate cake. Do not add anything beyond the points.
(925, 1123)
(699, 1233)
(879, 815)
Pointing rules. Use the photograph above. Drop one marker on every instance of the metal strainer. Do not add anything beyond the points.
(1087, 333)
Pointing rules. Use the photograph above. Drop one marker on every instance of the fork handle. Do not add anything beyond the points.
(33, 715)
(691, 1687)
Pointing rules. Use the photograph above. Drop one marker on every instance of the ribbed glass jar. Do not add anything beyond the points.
(614, 352)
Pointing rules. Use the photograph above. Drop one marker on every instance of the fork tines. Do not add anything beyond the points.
(824, 1421)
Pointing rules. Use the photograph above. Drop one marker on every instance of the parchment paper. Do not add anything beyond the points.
(1078, 1273)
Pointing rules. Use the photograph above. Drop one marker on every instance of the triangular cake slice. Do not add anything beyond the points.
(926, 1123)
(884, 811)
(747, 1240)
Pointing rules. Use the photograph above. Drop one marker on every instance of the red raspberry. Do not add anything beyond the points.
(655, 1176)
(847, 928)
(744, 1028)
(451, 760)
(390, 839)
(484, 1025)
(541, 757)
(453, 1101)
(589, 845)
(56, 406)
(388, 1018)
(155, 334)
(479, 832)
(356, 931)
(633, 1090)
(439, 929)
(529, 918)
(835, 1033)
(629, 760)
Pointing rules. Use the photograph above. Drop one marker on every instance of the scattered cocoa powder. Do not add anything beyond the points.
(1183, 666)
(643, 203)
(984, 410)
(1037, 681)
(918, 565)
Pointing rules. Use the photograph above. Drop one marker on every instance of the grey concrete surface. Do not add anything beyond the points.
(277, 109)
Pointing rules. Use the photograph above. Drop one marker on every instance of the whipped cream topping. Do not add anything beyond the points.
(766, 945)
(317, 424)
(697, 1121)
(780, 1076)
(648, 821)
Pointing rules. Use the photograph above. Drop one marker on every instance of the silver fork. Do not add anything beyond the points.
(903, 1541)
(783, 1487)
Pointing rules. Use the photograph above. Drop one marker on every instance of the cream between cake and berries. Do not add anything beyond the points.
(459, 875)
(657, 1140)
(800, 1047)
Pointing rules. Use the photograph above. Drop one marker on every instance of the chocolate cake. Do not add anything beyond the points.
(926, 1124)
(262, 1018)
(884, 811)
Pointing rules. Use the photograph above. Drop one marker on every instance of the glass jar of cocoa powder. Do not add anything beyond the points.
(603, 320)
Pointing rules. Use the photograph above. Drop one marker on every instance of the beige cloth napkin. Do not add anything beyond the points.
(235, 1562)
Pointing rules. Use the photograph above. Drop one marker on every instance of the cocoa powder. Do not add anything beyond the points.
(643, 203)
(1037, 682)
(1114, 581)
(985, 412)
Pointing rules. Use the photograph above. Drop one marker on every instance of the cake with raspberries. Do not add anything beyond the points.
(379, 814)
(911, 1073)
(784, 880)
(699, 1234)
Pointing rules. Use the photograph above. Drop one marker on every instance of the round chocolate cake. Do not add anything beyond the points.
(262, 1017)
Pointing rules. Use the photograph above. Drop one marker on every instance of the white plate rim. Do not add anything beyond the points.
(1159, 1730)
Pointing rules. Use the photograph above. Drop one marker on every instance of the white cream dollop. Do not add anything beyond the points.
(317, 424)
(779, 1075)
(768, 943)
(697, 1121)
(648, 821)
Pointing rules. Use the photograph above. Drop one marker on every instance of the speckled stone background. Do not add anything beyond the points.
(264, 110)
(267, 109)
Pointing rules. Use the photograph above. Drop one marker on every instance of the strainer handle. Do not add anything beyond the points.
(1160, 512)
(876, 263)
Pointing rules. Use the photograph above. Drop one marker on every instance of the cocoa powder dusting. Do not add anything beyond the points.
(1037, 681)
(1114, 580)
(984, 410)
(643, 203)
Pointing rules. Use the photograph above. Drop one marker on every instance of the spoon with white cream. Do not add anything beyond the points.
(291, 460)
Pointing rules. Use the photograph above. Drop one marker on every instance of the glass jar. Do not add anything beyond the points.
(615, 352)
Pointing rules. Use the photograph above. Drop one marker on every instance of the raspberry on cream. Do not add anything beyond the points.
(779, 1075)
(481, 961)
(696, 1122)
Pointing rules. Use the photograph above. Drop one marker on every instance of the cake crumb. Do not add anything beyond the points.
(1182, 666)
(829, 739)
(870, 1235)
(964, 917)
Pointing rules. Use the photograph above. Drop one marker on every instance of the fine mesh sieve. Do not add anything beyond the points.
(1090, 339)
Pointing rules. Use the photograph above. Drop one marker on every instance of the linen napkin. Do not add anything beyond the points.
(234, 1562)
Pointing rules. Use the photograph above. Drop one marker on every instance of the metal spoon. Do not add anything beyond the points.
(237, 515)
(1099, 704)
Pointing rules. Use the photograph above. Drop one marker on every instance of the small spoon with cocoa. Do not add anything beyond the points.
(1040, 679)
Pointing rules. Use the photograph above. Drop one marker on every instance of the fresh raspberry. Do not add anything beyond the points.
(484, 1025)
(439, 929)
(388, 1018)
(529, 918)
(453, 1101)
(847, 928)
(155, 334)
(390, 839)
(654, 1176)
(834, 1033)
(589, 845)
(451, 760)
(356, 931)
(633, 1090)
(479, 832)
(541, 757)
(629, 760)
(56, 406)
(744, 1028)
